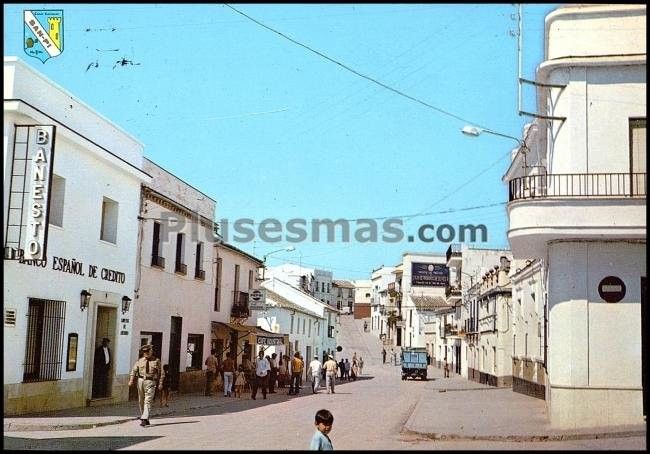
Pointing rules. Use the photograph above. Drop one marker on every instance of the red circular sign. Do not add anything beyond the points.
(611, 289)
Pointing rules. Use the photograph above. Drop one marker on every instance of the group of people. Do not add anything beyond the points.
(350, 370)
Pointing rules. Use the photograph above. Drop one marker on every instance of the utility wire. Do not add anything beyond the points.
(344, 66)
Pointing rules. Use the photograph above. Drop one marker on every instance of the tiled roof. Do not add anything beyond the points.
(429, 302)
(283, 302)
(342, 284)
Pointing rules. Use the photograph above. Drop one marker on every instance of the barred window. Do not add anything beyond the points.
(44, 350)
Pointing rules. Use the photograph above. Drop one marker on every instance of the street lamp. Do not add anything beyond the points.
(287, 249)
(475, 131)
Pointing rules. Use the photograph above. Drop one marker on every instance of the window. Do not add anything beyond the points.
(303, 326)
(514, 345)
(309, 331)
(637, 155)
(194, 352)
(291, 330)
(328, 287)
(494, 359)
(236, 278)
(44, 349)
(322, 287)
(180, 254)
(57, 197)
(71, 359)
(198, 270)
(526, 345)
(411, 318)
(367, 295)
(217, 288)
(250, 278)
(109, 220)
(156, 247)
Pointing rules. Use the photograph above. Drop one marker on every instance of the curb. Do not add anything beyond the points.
(523, 438)
(55, 426)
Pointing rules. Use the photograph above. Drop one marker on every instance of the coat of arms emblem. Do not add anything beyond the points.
(43, 33)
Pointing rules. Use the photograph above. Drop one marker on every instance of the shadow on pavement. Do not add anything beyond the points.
(72, 444)
(154, 423)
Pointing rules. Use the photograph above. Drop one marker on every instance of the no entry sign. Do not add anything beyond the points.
(611, 289)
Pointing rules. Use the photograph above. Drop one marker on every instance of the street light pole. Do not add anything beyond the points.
(475, 131)
(287, 249)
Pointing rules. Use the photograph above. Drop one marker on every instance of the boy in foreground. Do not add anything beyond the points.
(320, 441)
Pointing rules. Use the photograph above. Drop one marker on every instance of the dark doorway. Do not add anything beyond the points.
(156, 341)
(644, 347)
(458, 359)
(399, 337)
(175, 352)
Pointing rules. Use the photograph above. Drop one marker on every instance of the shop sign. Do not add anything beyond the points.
(266, 340)
(429, 274)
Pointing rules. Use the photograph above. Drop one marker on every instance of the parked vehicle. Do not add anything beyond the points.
(414, 363)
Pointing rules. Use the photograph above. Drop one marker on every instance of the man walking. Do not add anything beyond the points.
(383, 355)
(262, 370)
(315, 367)
(228, 374)
(296, 372)
(330, 367)
(150, 374)
(341, 369)
(103, 359)
(211, 372)
(347, 369)
(274, 373)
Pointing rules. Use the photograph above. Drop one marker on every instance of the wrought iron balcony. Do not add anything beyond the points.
(158, 261)
(239, 304)
(583, 185)
(180, 268)
(453, 250)
(454, 291)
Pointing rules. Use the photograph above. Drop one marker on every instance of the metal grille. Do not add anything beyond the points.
(44, 351)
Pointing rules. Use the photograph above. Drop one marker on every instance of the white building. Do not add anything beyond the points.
(316, 282)
(343, 292)
(322, 287)
(379, 299)
(305, 334)
(577, 200)
(466, 266)
(362, 297)
(424, 278)
(58, 309)
(529, 329)
(175, 296)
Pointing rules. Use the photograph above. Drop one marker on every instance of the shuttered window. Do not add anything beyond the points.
(44, 349)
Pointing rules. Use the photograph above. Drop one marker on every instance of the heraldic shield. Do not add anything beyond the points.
(43, 33)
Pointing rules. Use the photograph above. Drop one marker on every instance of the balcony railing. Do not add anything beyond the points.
(452, 291)
(180, 268)
(239, 304)
(158, 261)
(578, 185)
(453, 250)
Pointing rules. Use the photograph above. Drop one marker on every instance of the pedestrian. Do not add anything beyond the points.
(262, 370)
(164, 392)
(249, 370)
(283, 375)
(240, 381)
(360, 365)
(274, 373)
(103, 360)
(296, 372)
(341, 369)
(303, 365)
(354, 370)
(149, 374)
(315, 367)
(330, 367)
(354, 357)
(211, 372)
(228, 375)
(365, 326)
(383, 355)
(446, 365)
(347, 369)
(320, 441)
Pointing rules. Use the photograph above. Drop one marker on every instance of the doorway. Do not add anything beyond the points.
(103, 372)
(175, 352)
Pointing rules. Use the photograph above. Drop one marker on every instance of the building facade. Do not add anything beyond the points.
(577, 199)
(379, 299)
(362, 297)
(59, 307)
(176, 276)
(343, 292)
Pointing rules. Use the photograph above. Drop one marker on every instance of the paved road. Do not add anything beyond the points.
(369, 413)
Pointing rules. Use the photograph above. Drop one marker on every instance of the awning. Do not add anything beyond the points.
(263, 337)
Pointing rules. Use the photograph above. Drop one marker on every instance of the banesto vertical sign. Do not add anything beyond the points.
(40, 148)
(29, 192)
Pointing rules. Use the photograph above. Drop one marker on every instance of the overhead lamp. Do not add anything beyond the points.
(85, 299)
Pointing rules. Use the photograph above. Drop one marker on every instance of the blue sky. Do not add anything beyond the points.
(271, 130)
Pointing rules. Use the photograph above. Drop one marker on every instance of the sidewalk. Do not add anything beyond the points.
(90, 417)
(456, 408)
